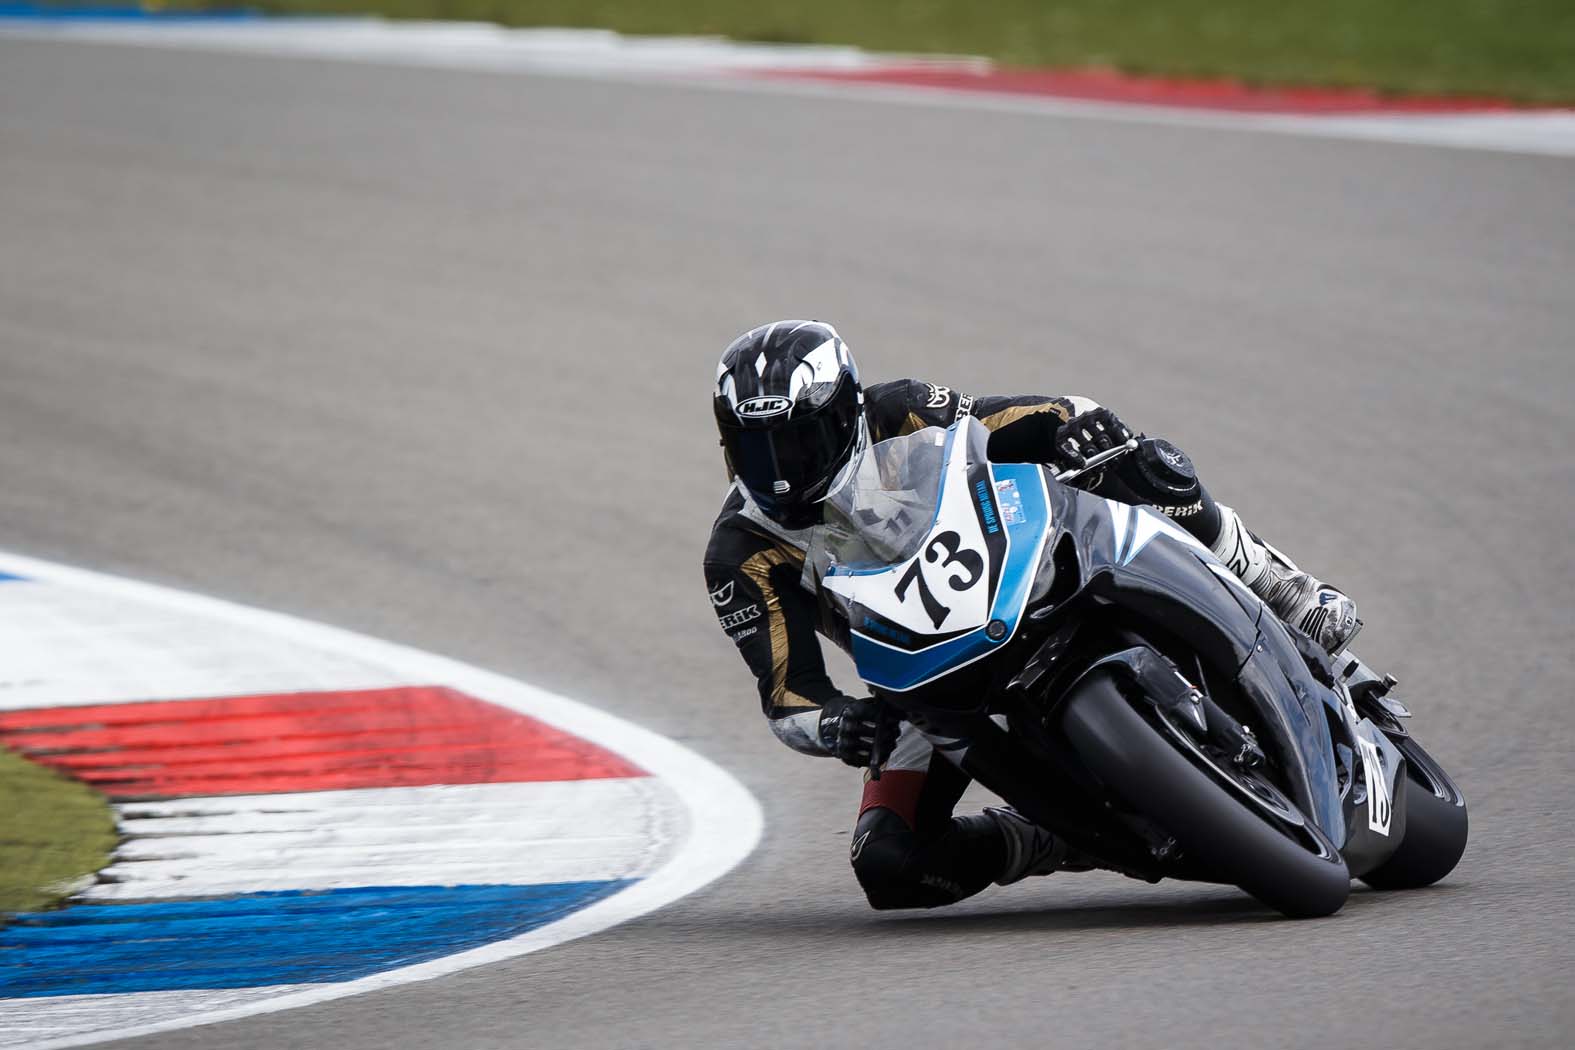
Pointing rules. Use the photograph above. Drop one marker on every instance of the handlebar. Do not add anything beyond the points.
(1095, 462)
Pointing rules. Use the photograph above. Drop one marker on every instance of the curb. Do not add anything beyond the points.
(701, 795)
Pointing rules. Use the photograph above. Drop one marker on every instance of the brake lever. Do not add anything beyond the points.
(879, 755)
(1097, 461)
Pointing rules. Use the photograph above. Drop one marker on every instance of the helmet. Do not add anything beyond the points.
(791, 413)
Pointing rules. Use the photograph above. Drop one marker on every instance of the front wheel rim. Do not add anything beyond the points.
(1267, 799)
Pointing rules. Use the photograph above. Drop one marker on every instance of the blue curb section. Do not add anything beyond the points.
(263, 939)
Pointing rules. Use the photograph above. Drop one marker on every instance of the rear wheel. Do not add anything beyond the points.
(1269, 850)
(1436, 826)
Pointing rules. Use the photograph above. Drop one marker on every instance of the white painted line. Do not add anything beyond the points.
(478, 45)
(44, 1017)
(161, 652)
(472, 834)
(722, 820)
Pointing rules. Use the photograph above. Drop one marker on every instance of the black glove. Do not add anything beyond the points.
(1087, 435)
(858, 730)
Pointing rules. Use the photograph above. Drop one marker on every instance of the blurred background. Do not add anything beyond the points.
(1517, 49)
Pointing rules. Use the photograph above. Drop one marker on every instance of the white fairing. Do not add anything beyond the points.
(967, 608)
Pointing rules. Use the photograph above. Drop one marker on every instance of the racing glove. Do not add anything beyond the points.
(1087, 435)
(859, 731)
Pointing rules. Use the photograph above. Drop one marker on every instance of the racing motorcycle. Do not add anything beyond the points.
(1102, 671)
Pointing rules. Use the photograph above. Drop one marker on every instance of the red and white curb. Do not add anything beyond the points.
(966, 82)
(308, 813)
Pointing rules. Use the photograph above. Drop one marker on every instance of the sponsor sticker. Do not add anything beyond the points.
(938, 396)
(1010, 501)
(759, 407)
(1183, 512)
(722, 595)
(986, 508)
(1380, 806)
(739, 618)
(875, 626)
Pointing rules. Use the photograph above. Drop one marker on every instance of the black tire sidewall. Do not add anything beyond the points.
(1133, 760)
(1435, 839)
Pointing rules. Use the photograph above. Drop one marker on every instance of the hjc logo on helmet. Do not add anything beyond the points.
(757, 407)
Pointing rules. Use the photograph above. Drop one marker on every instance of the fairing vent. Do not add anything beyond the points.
(1068, 572)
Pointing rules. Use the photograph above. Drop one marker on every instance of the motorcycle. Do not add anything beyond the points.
(1103, 672)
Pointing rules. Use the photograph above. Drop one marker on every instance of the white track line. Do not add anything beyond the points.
(505, 834)
(1544, 133)
(724, 820)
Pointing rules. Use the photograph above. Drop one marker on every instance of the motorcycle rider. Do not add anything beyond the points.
(794, 420)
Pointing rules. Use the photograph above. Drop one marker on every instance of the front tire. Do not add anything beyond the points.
(1139, 765)
(1436, 826)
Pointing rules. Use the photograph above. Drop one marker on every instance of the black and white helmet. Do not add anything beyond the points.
(791, 413)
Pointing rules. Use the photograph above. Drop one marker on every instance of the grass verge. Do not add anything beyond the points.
(53, 831)
(1517, 49)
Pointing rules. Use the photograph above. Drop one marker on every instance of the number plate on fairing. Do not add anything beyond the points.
(960, 596)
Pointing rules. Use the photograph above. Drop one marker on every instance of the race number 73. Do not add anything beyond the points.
(946, 548)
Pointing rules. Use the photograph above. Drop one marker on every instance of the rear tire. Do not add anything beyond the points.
(1436, 826)
(1211, 824)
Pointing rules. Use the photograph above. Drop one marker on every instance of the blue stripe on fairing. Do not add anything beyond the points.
(290, 937)
(6, 576)
(891, 668)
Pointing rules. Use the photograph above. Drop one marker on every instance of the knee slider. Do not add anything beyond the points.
(882, 846)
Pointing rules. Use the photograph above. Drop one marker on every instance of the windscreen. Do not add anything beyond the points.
(880, 516)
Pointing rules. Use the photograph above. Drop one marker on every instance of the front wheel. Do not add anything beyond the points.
(1131, 757)
(1436, 826)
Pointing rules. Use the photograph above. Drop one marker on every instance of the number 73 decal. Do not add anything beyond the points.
(943, 545)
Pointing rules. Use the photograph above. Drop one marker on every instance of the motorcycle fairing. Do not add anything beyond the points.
(1374, 802)
(1130, 556)
(1184, 587)
(892, 645)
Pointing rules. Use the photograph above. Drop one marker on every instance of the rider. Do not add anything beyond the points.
(794, 420)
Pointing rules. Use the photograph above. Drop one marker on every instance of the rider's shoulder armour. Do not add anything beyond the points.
(905, 405)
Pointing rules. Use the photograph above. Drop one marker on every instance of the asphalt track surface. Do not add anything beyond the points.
(425, 354)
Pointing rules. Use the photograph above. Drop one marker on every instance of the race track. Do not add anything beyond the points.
(426, 354)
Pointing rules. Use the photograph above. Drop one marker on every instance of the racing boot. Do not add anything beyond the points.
(1318, 610)
(1030, 849)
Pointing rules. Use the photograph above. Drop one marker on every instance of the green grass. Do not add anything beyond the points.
(1521, 49)
(53, 831)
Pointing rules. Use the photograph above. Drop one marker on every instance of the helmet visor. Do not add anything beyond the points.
(789, 465)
